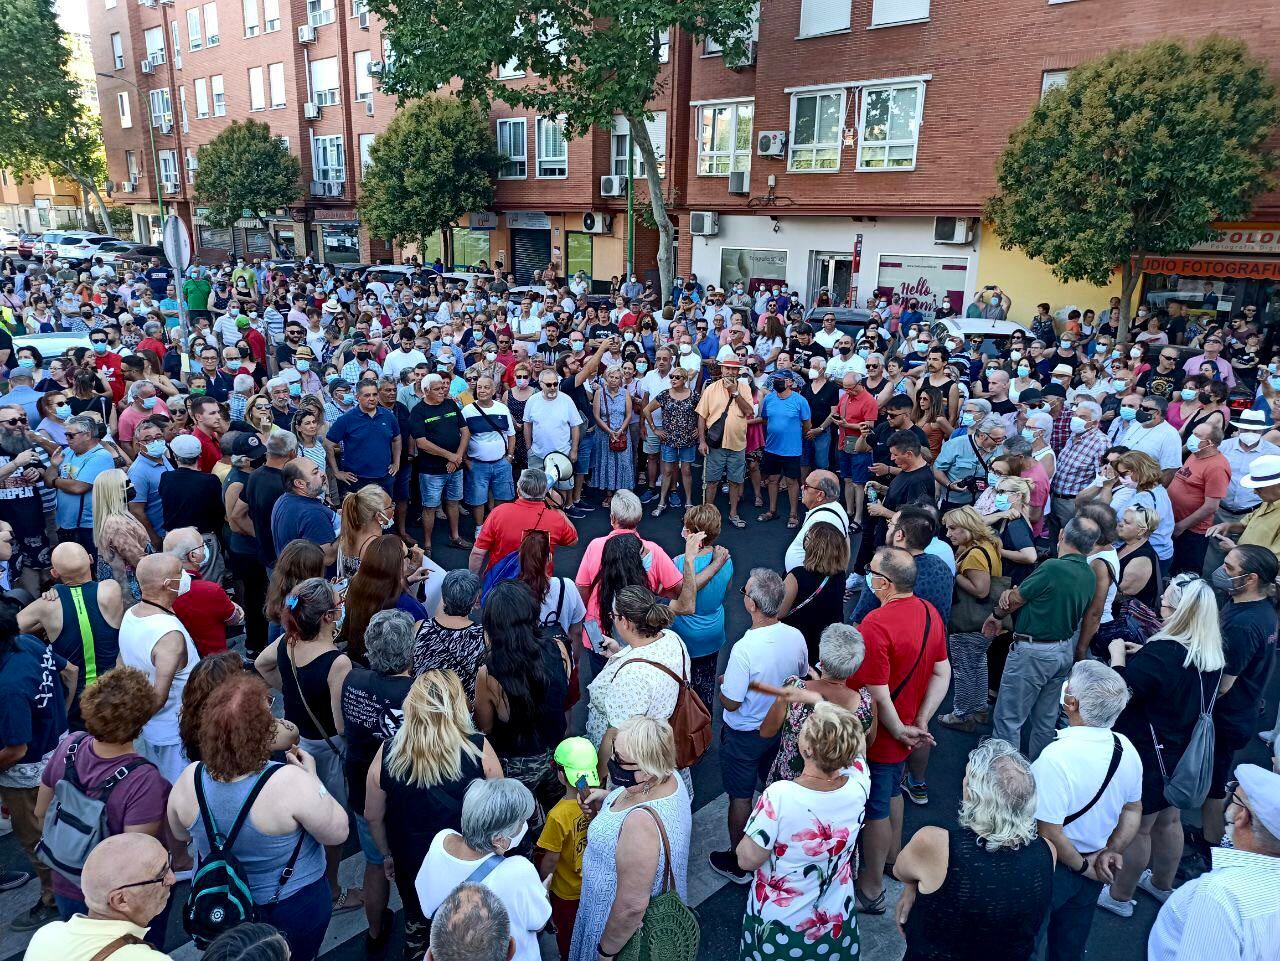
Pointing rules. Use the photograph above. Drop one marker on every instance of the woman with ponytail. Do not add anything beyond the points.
(367, 513)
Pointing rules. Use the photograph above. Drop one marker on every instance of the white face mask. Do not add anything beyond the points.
(513, 842)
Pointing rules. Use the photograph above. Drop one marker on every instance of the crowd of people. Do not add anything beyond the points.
(248, 625)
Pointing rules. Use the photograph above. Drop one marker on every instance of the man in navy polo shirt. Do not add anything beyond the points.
(300, 514)
(369, 436)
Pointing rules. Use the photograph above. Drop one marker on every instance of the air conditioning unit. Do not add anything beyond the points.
(594, 223)
(364, 20)
(306, 33)
(311, 111)
(613, 186)
(368, 108)
(170, 187)
(748, 58)
(128, 187)
(704, 223)
(771, 143)
(326, 188)
(147, 66)
(167, 127)
(740, 182)
(952, 230)
(375, 68)
(146, 3)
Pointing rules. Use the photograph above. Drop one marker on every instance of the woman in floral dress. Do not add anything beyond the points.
(800, 842)
(612, 470)
(678, 434)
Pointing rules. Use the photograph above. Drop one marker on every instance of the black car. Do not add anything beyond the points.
(849, 320)
(141, 255)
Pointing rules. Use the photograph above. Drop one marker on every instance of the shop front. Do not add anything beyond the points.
(337, 241)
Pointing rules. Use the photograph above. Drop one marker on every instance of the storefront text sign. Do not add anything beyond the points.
(1243, 239)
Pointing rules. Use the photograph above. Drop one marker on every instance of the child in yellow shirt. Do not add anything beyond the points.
(564, 837)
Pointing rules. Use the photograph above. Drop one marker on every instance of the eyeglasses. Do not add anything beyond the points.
(14, 422)
(159, 879)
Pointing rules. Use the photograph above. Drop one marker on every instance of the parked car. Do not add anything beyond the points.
(73, 246)
(113, 250)
(26, 245)
(9, 240)
(51, 345)
(849, 320)
(991, 331)
(140, 255)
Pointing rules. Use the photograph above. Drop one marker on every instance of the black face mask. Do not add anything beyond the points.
(780, 384)
(1204, 397)
(1143, 416)
(846, 351)
(619, 775)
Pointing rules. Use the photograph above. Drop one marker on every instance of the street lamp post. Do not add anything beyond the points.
(155, 162)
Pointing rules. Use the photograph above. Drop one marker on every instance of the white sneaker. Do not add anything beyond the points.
(1122, 908)
(1146, 884)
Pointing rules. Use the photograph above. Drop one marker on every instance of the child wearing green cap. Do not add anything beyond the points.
(564, 837)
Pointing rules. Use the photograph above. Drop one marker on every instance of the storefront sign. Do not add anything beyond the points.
(528, 220)
(1243, 239)
(1210, 267)
(928, 279)
(753, 267)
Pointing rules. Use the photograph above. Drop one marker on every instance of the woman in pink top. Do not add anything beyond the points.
(1019, 463)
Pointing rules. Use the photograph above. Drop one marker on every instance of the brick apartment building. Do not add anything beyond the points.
(853, 151)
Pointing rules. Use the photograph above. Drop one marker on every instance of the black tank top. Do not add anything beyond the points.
(989, 908)
(312, 683)
(1148, 595)
(80, 604)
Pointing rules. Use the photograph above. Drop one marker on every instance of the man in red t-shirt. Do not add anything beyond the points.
(202, 606)
(855, 408)
(1196, 491)
(907, 671)
(108, 363)
(504, 529)
(207, 417)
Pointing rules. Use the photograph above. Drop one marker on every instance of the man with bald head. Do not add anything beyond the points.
(81, 620)
(153, 640)
(127, 880)
(204, 607)
(820, 494)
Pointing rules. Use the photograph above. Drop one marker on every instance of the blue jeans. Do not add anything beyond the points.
(817, 452)
(485, 478)
(302, 918)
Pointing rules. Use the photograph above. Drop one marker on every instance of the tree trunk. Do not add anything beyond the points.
(90, 186)
(1130, 274)
(271, 238)
(666, 230)
(446, 247)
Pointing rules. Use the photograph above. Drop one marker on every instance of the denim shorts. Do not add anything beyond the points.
(745, 759)
(679, 455)
(886, 784)
(367, 846)
(855, 468)
(817, 452)
(435, 485)
(585, 446)
(652, 444)
(400, 484)
(486, 477)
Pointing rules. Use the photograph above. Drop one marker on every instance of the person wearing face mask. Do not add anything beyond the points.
(300, 513)
(154, 641)
(142, 398)
(192, 497)
(787, 418)
(1197, 489)
(203, 607)
(1079, 459)
(1148, 431)
(150, 464)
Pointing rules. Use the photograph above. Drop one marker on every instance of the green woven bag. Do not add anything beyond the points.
(669, 931)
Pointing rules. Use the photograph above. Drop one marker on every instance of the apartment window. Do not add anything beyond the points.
(270, 16)
(202, 98)
(109, 5)
(169, 169)
(324, 81)
(510, 70)
(513, 146)
(154, 39)
(366, 143)
(618, 143)
(327, 159)
(176, 31)
(819, 17)
(193, 164)
(364, 82)
(257, 89)
(888, 12)
(122, 103)
(161, 107)
(275, 78)
(1051, 79)
(131, 165)
(284, 142)
(890, 127)
(117, 51)
(663, 45)
(250, 18)
(553, 151)
(711, 48)
(182, 109)
(195, 38)
(219, 96)
(320, 12)
(211, 38)
(724, 138)
(816, 119)
(358, 7)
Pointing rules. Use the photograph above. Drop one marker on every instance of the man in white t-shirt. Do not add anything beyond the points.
(820, 495)
(830, 334)
(525, 325)
(1151, 434)
(551, 423)
(653, 383)
(405, 357)
(769, 652)
(491, 450)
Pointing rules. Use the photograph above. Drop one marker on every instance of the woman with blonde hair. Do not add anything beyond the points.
(1007, 516)
(520, 381)
(367, 514)
(416, 785)
(121, 539)
(1174, 678)
(1137, 480)
(800, 842)
(813, 594)
(991, 879)
(978, 560)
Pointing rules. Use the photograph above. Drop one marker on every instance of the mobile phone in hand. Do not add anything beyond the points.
(581, 786)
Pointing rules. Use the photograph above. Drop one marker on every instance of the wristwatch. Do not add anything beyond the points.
(1084, 867)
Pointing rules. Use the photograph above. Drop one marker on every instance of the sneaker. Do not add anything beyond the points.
(377, 947)
(1146, 884)
(915, 792)
(575, 512)
(11, 880)
(1123, 909)
(725, 863)
(677, 499)
(585, 506)
(36, 918)
(647, 496)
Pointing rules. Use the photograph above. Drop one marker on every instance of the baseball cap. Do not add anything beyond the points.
(579, 760)
(359, 340)
(1053, 390)
(1262, 787)
(249, 445)
(1030, 396)
(184, 445)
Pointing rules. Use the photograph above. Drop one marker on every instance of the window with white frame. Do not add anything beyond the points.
(366, 143)
(270, 16)
(816, 119)
(131, 165)
(662, 45)
(358, 7)
(251, 24)
(122, 104)
(711, 48)
(820, 17)
(513, 147)
(257, 89)
(154, 40)
(889, 128)
(193, 164)
(219, 95)
(724, 138)
(161, 107)
(275, 79)
(324, 81)
(109, 5)
(284, 142)
(510, 70)
(320, 12)
(202, 98)
(211, 37)
(619, 141)
(364, 82)
(195, 35)
(169, 169)
(176, 32)
(117, 51)
(887, 12)
(182, 109)
(1053, 78)
(553, 150)
(327, 159)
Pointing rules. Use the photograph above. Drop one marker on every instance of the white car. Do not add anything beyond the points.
(71, 245)
(521, 291)
(51, 345)
(9, 240)
(966, 327)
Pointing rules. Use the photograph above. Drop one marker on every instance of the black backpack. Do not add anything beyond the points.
(220, 897)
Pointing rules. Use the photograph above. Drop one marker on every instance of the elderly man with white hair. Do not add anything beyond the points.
(204, 608)
(1079, 460)
(440, 436)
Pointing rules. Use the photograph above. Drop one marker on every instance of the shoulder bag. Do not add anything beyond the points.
(1117, 752)
(690, 720)
(669, 931)
(1192, 776)
(969, 613)
(715, 431)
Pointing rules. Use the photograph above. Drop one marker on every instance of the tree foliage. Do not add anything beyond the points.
(45, 126)
(435, 162)
(246, 167)
(1138, 154)
(587, 60)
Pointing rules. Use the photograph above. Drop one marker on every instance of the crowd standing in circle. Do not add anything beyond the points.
(225, 657)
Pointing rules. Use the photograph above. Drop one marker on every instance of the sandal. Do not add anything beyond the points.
(868, 905)
(346, 900)
(793, 522)
(759, 503)
(737, 521)
(657, 511)
(460, 544)
(767, 516)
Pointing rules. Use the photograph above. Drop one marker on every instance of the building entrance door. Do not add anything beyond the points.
(833, 271)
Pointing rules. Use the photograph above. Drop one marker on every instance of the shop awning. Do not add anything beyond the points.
(1260, 268)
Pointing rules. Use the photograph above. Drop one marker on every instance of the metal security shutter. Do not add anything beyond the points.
(215, 238)
(258, 241)
(531, 250)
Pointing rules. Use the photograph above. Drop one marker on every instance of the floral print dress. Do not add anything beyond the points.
(788, 764)
(801, 905)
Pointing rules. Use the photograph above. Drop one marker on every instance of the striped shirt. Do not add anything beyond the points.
(1078, 463)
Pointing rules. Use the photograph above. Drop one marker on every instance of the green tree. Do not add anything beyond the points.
(435, 162)
(121, 218)
(45, 126)
(1138, 154)
(589, 60)
(246, 167)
